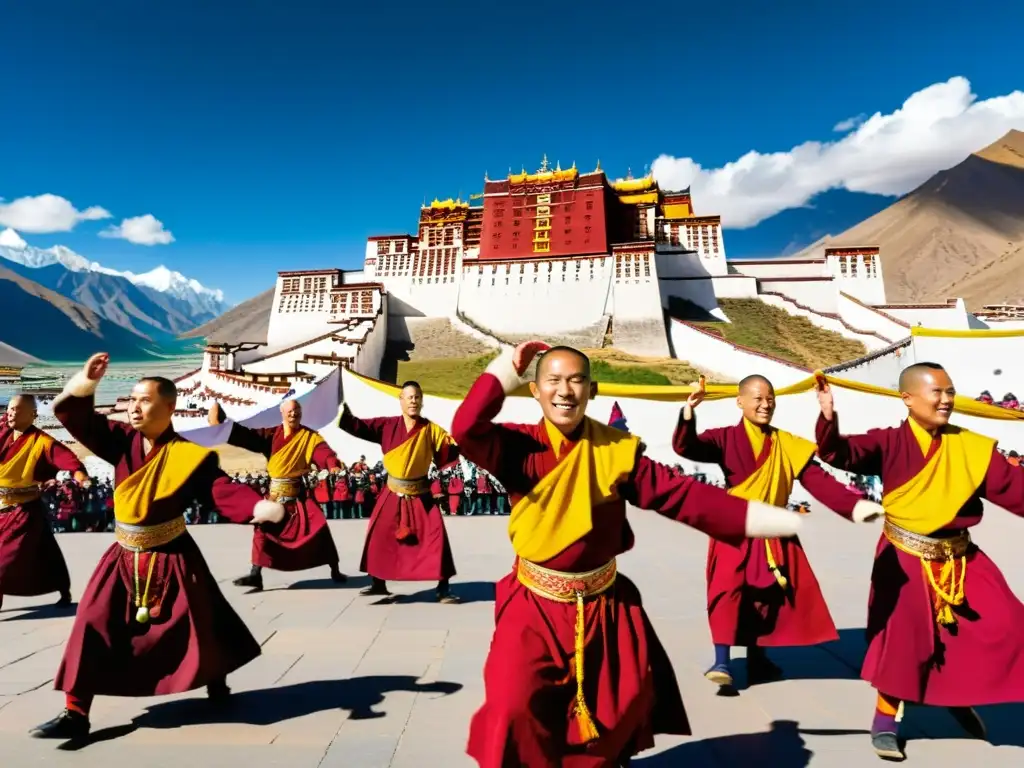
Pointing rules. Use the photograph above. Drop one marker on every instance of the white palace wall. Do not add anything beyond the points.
(861, 316)
(639, 321)
(952, 317)
(976, 362)
(818, 293)
(708, 352)
(829, 323)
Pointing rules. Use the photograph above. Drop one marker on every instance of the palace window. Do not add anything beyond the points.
(590, 204)
(515, 223)
(568, 220)
(449, 237)
(382, 247)
(517, 212)
(400, 246)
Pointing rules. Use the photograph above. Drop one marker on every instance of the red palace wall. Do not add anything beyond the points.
(576, 217)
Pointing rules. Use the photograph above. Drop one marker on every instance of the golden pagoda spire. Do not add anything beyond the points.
(558, 166)
(598, 165)
(629, 173)
(544, 166)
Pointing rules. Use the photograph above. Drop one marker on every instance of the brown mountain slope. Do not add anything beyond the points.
(248, 322)
(960, 234)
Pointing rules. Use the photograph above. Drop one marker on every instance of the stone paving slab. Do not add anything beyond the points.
(346, 681)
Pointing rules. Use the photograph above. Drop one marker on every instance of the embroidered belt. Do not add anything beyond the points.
(571, 588)
(947, 589)
(285, 489)
(140, 538)
(14, 497)
(416, 486)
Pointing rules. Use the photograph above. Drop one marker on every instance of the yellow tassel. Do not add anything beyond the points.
(773, 566)
(588, 729)
(947, 581)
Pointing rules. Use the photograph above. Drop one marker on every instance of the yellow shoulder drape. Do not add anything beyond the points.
(160, 477)
(294, 457)
(18, 471)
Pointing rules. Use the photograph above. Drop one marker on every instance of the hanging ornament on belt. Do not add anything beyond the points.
(142, 615)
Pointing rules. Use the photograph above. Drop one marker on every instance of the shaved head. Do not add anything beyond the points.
(914, 375)
(755, 396)
(554, 352)
(291, 414)
(929, 394)
(747, 381)
(21, 412)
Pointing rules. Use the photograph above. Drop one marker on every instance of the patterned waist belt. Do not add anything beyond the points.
(140, 538)
(14, 497)
(939, 561)
(284, 489)
(571, 588)
(416, 486)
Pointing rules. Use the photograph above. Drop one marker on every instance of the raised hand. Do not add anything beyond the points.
(96, 366)
(699, 393)
(825, 401)
(525, 352)
(214, 417)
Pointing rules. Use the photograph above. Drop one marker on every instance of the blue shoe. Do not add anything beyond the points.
(720, 675)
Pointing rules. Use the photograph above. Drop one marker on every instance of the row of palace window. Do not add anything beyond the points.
(352, 302)
(628, 265)
(541, 249)
(436, 262)
(384, 247)
(848, 266)
(293, 285)
(515, 234)
(499, 213)
(305, 303)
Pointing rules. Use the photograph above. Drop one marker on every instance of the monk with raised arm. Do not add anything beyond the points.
(152, 620)
(406, 539)
(944, 628)
(303, 539)
(763, 592)
(576, 676)
(31, 562)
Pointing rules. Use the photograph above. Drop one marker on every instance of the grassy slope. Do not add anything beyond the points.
(775, 332)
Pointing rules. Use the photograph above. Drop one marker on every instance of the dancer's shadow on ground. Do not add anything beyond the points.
(466, 591)
(51, 611)
(838, 660)
(1002, 722)
(781, 747)
(359, 695)
(353, 582)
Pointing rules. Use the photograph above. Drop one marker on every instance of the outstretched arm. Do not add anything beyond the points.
(707, 447)
(325, 457)
(75, 409)
(370, 430)
(709, 509)
(836, 496)
(861, 454)
(1004, 484)
(214, 488)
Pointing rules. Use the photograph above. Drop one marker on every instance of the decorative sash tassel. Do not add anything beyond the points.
(588, 729)
(773, 566)
(948, 590)
(142, 596)
(941, 553)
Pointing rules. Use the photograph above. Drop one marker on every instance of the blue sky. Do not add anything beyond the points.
(281, 136)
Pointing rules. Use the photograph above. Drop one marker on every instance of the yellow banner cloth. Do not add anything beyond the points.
(558, 511)
(160, 477)
(18, 471)
(294, 457)
(412, 459)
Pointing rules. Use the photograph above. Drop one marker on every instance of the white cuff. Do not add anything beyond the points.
(267, 511)
(80, 385)
(867, 511)
(502, 369)
(767, 522)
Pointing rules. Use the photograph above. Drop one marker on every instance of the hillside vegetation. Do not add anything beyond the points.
(775, 332)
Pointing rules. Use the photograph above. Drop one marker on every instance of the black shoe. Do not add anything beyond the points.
(65, 600)
(254, 580)
(887, 746)
(969, 719)
(338, 577)
(218, 693)
(448, 598)
(67, 726)
(374, 590)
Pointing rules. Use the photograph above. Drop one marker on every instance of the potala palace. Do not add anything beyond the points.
(575, 256)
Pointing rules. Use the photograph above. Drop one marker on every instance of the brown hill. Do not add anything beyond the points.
(960, 234)
(248, 322)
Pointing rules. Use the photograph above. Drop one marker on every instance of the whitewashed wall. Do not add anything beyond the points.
(713, 354)
(371, 352)
(769, 268)
(952, 318)
(860, 316)
(973, 362)
(835, 325)
(881, 368)
(817, 294)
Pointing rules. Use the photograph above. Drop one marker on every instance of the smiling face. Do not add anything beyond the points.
(929, 394)
(411, 400)
(757, 401)
(21, 413)
(148, 411)
(291, 414)
(563, 388)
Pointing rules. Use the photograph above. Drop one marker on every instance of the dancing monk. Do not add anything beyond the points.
(763, 593)
(303, 539)
(406, 539)
(31, 562)
(152, 620)
(575, 675)
(930, 641)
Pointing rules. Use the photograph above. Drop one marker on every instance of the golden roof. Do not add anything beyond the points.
(448, 204)
(634, 185)
(544, 173)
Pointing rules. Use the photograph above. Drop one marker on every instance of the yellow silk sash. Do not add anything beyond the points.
(18, 471)
(412, 459)
(294, 457)
(558, 511)
(169, 469)
(930, 500)
(772, 482)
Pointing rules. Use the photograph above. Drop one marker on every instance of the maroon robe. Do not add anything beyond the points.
(455, 486)
(302, 540)
(980, 659)
(31, 562)
(427, 556)
(194, 637)
(529, 677)
(746, 606)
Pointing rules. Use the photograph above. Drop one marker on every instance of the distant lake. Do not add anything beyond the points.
(118, 382)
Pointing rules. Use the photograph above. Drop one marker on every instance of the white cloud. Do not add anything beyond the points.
(849, 123)
(892, 154)
(141, 230)
(46, 213)
(11, 239)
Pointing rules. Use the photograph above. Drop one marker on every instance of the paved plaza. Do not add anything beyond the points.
(346, 682)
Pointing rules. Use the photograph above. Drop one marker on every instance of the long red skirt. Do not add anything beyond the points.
(192, 639)
(530, 685)
(31, 562)
(425, 557)
(301, 541)
(746, 605)
(977, 661)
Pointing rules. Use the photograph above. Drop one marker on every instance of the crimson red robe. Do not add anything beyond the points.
(980, 659)
(529, 678)
(31, 562)
(195, 637)
(428, 556)
(455, 486)
(340, 492)
(746, 606)
(303, 539)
